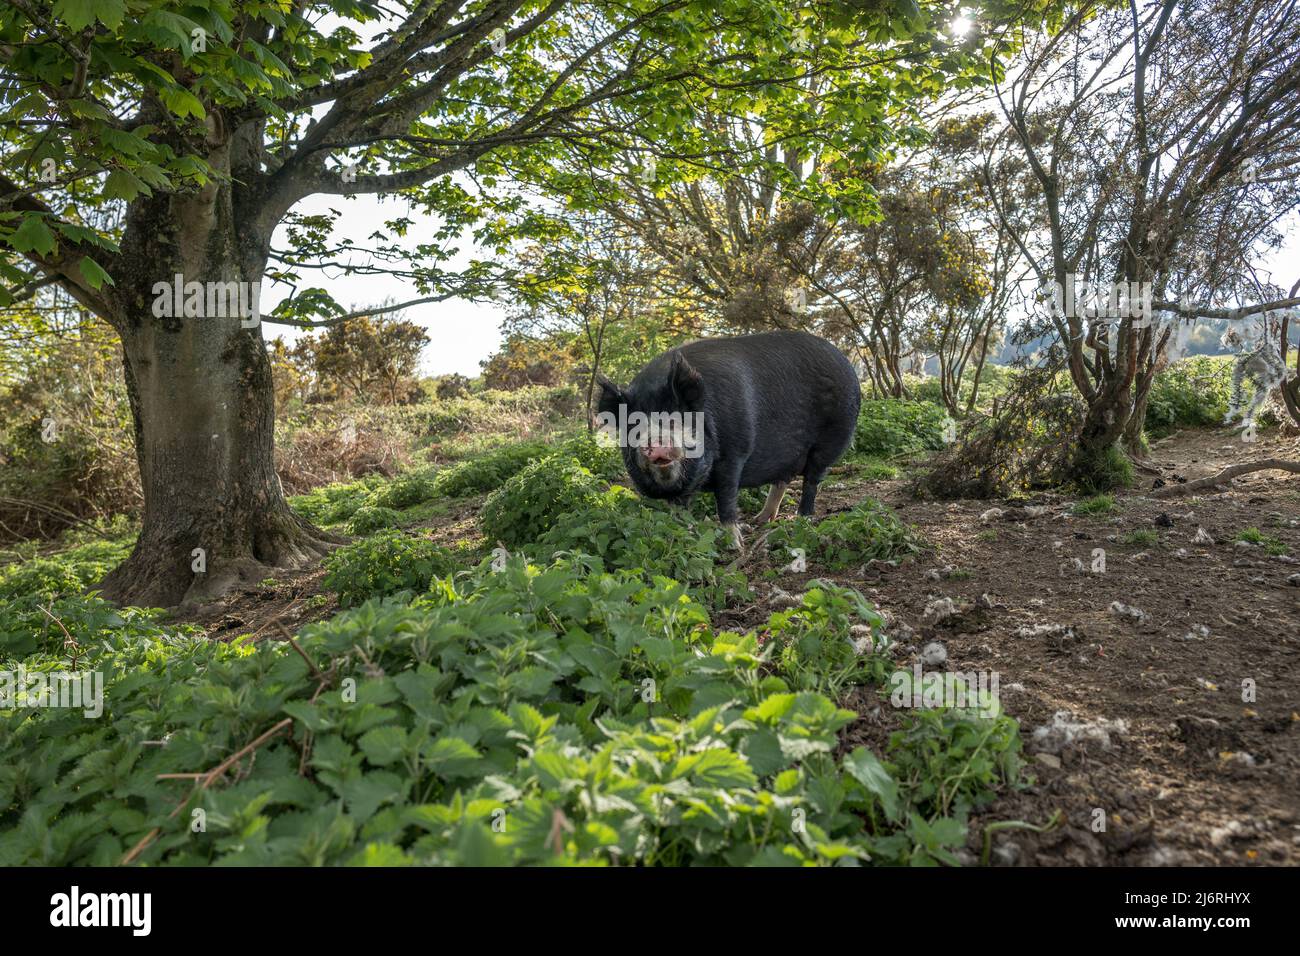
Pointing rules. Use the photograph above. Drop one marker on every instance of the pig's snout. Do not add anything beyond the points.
(661, 455)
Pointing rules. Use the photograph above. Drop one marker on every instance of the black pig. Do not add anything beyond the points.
(772, 406)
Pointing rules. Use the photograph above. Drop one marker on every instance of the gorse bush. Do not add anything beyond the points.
(385, 564)
(889, 427)
(530, 503)
(1026, 445)
(867, 531)
(542, 717)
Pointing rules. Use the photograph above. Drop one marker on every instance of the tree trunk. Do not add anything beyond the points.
(1134, 439)
(1099, 463)
(203, 405)
(215, 514)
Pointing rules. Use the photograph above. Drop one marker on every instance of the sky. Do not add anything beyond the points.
(461, 333)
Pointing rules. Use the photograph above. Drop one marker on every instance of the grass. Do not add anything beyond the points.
(1094, 506)
(870, 469)
(1144, 538)
(1270, 544)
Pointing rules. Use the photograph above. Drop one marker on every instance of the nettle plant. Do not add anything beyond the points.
(534, 500)
(524, 715)
(386, 564)
(867, 531)
(652, 539)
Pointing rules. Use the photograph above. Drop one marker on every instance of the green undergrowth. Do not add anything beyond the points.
(525, 715)
(867, 531)
(891, 427)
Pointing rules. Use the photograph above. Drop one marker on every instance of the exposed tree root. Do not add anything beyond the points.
(1223, 477)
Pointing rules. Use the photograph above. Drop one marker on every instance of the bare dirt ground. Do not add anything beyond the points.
(1193, 774)
(1188, 704)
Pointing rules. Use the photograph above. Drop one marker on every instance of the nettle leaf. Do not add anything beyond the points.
(365, 794)
(383, 745)
(864, 767)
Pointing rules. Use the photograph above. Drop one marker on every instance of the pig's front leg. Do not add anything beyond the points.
(726, 489)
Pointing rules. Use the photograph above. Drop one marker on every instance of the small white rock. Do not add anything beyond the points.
(934, 654)
(1120, 609)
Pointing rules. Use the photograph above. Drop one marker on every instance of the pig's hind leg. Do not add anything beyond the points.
(812, 477)
(808, 500)
(773, 503)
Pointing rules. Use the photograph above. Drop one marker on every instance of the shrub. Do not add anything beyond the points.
(1026, 445)
(404, 492)
(1192, 393)
(370, 518)
(39, 578)
(813, 647)
(26, 629)
(333, 503)
(605, 461)
(890, 427)
(950, 761)
(526, 506)
(487, 472)
(385, 564)
(867, 531)
(649, 539)
(69, 573)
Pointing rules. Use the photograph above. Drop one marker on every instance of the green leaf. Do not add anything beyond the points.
(33, 236)
(93, 272)
(383, 745)
(864, 767)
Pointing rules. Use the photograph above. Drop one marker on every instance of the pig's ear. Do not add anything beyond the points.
(686, 382)
(610, 397)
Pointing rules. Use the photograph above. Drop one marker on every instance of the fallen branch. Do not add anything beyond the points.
(202, 782)
(1223, 477)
